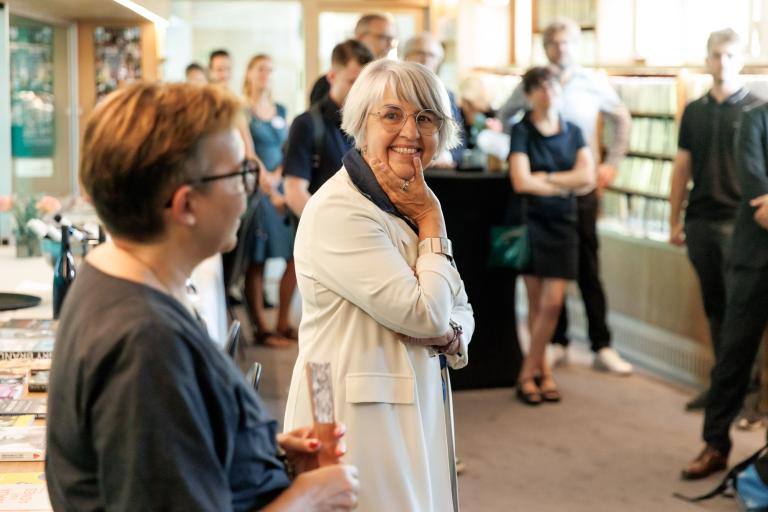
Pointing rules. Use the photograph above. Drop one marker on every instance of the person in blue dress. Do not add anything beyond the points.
(549, 160)
(274, 239)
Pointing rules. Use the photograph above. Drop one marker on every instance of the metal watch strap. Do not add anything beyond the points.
(437, 246)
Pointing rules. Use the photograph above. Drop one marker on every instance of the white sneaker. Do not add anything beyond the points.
(557, 355)
(608, 360)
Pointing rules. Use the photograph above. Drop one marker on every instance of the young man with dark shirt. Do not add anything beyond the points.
(308, 164)
(705, 157)
(746, 309)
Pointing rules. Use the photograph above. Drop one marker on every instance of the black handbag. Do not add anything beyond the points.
(510, 247)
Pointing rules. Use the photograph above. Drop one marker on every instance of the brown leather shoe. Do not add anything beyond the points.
(709, 461)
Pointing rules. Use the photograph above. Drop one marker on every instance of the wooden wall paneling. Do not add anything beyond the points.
(653, 283)
(311, 17)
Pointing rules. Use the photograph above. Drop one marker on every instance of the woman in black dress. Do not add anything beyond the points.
(548, 160)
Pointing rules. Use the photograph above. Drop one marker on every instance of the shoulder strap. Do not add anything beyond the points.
(318, 130)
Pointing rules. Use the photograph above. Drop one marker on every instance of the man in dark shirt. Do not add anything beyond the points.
(706, 157)
(746, 309)
(310, 162)
(377, 33)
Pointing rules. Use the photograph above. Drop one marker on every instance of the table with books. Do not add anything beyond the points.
(26, 345)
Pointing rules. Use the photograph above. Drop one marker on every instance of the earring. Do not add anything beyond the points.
(364, 150)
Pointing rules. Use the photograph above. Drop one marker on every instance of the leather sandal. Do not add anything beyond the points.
(288, 332)
(550, 393)
(271, 340)
(528, 397)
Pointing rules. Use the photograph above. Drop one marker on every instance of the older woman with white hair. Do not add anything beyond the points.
(383, 301)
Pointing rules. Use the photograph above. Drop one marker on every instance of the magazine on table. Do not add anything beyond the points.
(22, 443)
(24, 497)
(34, 406)
(11, 384)
(46, 325)
(26, 348)
(25, 420)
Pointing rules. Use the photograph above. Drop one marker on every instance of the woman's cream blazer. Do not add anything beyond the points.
(361, 282)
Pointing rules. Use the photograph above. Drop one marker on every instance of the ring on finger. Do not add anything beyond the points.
(405, 185)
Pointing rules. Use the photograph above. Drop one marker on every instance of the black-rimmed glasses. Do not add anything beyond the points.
(248, 170)
(393, 118)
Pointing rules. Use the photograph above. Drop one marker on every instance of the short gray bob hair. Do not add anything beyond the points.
(409, 81)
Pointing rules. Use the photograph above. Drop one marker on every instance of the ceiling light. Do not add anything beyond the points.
(143, 11)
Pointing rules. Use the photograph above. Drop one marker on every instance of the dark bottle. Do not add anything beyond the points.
(63, 272)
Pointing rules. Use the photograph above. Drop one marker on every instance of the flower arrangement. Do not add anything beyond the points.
(23, 209)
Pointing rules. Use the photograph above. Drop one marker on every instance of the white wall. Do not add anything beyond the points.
(483, 35)
(244, 29)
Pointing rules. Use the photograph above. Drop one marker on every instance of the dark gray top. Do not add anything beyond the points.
(708, 131)
(145, 412)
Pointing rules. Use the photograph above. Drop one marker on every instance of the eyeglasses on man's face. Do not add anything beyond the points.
(393, 118)
(248, 170)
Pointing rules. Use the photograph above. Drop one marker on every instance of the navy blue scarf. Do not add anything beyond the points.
(363, 178)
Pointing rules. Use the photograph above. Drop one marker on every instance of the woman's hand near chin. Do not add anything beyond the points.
(412, 198)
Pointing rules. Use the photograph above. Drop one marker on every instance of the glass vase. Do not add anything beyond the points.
(27, 245)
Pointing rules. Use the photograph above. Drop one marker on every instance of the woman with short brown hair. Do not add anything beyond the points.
(144, 411)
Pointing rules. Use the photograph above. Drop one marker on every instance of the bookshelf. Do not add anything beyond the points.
(583, 12)
(636, 203)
